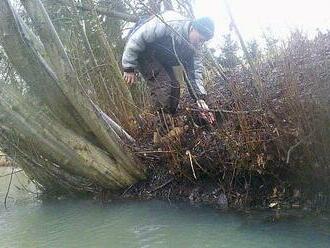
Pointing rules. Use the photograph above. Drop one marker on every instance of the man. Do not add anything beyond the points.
(160, 43)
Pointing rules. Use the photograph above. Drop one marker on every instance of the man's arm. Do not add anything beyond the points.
(147, 33)
(194, 69)
(136, 44)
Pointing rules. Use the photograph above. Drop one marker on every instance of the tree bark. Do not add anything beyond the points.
(60, 138)
(26, 55)
(70, 85)
(61, 146)
(121, 95)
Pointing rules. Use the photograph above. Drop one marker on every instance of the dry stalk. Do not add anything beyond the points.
(191, 163)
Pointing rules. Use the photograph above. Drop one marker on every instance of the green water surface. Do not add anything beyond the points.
(28, 222)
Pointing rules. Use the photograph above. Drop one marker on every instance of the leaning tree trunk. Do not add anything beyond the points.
(62, 134)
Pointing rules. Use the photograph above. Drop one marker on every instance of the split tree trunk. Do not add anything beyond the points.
(71, 138)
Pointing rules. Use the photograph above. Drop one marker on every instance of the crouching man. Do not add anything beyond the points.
(160, 43)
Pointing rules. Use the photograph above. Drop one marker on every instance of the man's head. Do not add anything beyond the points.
(202, 30)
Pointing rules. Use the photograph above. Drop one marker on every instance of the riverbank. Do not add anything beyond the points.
(270, 146)
(162, 185)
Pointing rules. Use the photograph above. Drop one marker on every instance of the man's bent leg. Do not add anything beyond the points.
(164, 87)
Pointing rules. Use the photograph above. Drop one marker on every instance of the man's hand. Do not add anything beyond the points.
(206, 114)
(129, 78)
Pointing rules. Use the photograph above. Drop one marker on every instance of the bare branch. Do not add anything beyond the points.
(9, 174)
(109, 12)
(8, 189)
(258, 84)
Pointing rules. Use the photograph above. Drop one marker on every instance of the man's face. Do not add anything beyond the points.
(196, 39)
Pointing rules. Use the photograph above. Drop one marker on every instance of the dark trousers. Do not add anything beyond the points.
(163, 85)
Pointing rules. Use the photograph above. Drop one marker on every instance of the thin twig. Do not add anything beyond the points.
(162, 186)
(164, 118)
(11, 173)
(168, 195)
(109, 12)
(226, 111)
(8, 68)
(7, 193)
(205, 171)
(146, 152)
(256, 75)
(291, 149)
(191, 163)
(24, 187)
(304, 139)
(126, 190)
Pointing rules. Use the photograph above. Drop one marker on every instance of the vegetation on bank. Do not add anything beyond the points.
(271, 143)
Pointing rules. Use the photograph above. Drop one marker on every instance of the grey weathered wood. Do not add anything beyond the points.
(71, 87)
(60, 137)
(60, 145)
(25, 53)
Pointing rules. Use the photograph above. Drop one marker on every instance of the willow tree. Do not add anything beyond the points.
(56, 130)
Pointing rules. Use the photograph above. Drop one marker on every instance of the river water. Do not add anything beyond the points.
(28, 222)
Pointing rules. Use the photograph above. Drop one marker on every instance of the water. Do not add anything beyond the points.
(86, 223)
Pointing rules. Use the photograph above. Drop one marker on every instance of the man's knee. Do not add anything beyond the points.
(164, 88)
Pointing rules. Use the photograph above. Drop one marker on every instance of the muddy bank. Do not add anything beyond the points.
(162, 185)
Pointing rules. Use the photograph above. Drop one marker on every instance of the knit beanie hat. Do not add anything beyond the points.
(204, 26)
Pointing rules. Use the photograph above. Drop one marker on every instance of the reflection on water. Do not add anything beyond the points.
(84, 223)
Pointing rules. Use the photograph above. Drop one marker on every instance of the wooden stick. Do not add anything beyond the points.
(191, 163)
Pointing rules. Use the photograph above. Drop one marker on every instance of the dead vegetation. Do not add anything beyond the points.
(264, 147)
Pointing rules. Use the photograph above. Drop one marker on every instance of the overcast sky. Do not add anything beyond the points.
(254, 16)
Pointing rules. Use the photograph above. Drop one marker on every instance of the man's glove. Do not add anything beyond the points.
(205, 113)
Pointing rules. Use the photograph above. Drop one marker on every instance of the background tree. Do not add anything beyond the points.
(228, 56)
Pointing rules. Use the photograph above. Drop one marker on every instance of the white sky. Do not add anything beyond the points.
(255, 16)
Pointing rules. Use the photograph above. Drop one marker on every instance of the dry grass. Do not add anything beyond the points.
(276, 141)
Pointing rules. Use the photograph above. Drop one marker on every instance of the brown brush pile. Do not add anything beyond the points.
(269, 147)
